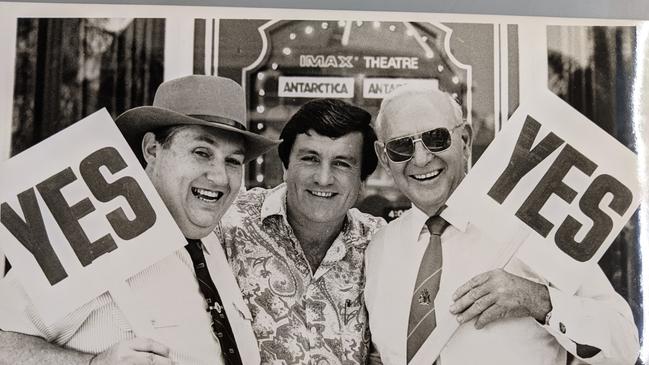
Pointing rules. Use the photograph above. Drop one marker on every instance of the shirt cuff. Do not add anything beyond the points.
(561, 323)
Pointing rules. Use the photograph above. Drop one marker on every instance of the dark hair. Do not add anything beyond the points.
(332, 118)
(163, 135)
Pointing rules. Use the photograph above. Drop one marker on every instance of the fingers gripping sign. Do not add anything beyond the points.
(497, 294)
(138, 351)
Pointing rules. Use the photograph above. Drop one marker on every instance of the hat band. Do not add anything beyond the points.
(219, 120)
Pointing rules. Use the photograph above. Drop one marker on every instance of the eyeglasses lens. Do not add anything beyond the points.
(402, 149)
(437, 140)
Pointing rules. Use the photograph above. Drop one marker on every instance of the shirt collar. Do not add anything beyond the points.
(419, 219)
(209, 242)
(452, 216)
(275, 202)
(456, 218)
(275, 205)
(201, 243)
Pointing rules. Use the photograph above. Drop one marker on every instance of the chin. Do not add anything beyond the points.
(320, 219)
(197, 232)
(197, 235)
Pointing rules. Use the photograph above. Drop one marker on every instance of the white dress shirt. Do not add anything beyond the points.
(595, 316)
(175, 306)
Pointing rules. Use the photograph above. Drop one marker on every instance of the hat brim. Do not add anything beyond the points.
(136, 122)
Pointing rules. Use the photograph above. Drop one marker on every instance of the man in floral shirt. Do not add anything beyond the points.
(297, 250)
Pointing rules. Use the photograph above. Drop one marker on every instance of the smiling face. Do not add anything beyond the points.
(197, 174)
(427, 179)
(323, 177)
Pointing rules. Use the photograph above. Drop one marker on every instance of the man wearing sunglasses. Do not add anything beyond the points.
(423, 274)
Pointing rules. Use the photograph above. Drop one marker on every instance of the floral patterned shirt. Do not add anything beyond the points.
(299, 317)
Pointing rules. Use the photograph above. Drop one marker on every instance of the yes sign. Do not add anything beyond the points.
(30, 229)
(79, 217)
(524, 158)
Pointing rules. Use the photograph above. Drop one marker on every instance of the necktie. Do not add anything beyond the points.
(220, 325)
(422, 309)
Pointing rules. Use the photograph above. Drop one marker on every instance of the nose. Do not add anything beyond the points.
(217, 173)
(323, 175)
(422, 155)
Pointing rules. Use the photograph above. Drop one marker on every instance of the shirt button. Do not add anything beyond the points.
(562, 327)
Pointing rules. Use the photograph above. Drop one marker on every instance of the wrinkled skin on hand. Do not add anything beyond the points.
(138, 351)
(497, 294)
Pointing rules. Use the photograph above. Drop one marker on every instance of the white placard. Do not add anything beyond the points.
(79, 216)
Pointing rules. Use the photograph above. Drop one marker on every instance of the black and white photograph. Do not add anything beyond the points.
(205, 185)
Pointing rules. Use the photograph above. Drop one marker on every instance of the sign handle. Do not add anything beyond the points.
(135, 313)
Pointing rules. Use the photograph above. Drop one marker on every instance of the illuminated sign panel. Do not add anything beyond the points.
(316, 87)
(378, 88)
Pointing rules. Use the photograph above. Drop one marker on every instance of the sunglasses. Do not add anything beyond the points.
(403, 148)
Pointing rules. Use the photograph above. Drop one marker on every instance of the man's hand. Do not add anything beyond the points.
(498, 294)
(138, 351)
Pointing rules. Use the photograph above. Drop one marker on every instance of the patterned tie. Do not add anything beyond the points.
(422, 309)
(220, 324)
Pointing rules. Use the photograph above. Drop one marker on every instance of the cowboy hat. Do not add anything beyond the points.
(210, 101)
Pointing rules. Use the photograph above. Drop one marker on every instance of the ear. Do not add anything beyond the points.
(149, 147)
(383, 158)
(467, 139)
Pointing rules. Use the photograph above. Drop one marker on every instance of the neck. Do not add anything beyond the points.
(433, 210)
(315, 238)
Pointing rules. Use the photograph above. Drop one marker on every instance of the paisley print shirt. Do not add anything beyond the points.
(299, 317)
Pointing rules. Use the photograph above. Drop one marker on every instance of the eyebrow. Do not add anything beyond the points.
(348, 158)
(210, 140)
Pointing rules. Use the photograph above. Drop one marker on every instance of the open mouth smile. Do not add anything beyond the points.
(427, 176)
(205, 195)
(321, 194)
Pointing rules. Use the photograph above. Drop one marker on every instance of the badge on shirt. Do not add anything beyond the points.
(424, 297)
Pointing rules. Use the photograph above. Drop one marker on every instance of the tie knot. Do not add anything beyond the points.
(193, 246)
(436, 225)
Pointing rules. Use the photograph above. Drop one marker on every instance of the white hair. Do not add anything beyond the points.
(391, 101)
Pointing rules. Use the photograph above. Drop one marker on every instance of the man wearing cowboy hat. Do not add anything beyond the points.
(193, 143)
